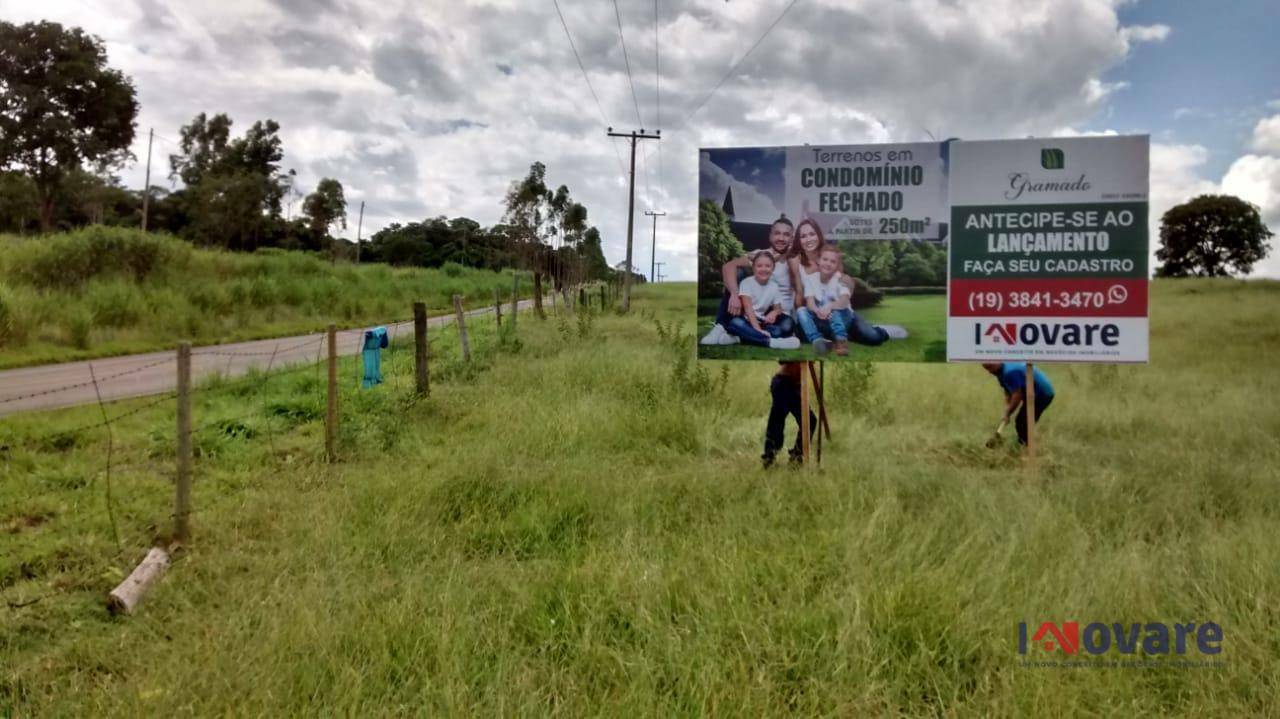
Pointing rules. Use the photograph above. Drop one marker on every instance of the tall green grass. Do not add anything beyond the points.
(577, 524)
(103, 291)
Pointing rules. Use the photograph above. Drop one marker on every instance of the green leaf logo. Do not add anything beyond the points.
(1051, 158)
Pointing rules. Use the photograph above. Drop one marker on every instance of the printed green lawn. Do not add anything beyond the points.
(924, 316)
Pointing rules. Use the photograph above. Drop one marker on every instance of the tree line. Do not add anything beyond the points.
(68, 120)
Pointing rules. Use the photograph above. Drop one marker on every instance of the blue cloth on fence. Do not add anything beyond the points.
(374, 341)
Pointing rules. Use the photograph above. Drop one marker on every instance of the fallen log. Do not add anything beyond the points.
(126, 597)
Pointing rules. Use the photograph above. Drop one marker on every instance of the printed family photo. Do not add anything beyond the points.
(823, 252)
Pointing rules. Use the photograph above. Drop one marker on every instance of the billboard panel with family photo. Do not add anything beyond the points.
(823, 252)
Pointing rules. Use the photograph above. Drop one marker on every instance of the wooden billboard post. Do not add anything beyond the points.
(1029, 406)
(804, 416)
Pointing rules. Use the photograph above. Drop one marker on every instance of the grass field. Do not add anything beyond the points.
(579, 525)
(105, 291)
(924, 317)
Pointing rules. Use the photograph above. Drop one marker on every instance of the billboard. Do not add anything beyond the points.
(823, 252)
(1049, 251)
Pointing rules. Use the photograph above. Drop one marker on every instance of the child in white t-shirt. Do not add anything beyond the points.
(826, 316)
(762, 302)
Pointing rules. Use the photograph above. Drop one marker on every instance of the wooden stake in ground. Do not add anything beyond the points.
(331, 412)
(822, 405)
(537, 296)
(515, 298)
(422, 384)
(804, 415)
(824, 427)
(129, 594)
(601, 298)
(497, 307)
(182, 495)
(1029, 400)
(462, 328)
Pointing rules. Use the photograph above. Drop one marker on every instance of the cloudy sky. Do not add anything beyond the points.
(433, 108)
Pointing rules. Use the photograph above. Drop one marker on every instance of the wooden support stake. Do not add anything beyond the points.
(129, 594)
(822, 405)
(1029, 400)
(497, 306)
(462, 328)
(422, 383)
(331, 413)
(182, 495)
(601, 298)
(804, 416)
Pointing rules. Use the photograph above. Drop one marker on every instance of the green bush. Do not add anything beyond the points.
(8, 319)
(114, 303)
(71, 260)
(864, 295)
(78, 322)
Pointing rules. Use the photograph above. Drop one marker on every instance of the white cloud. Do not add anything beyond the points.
(1146, 33)
(1256, 178)
(1266, 135)
(405, 102)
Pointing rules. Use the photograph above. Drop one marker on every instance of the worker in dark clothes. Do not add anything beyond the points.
(1012, 377)
(785, 389)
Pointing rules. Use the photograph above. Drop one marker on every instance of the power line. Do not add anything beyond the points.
(627, 59)
(657, 82)
(581, 67)
(603, 118)
(734, 69)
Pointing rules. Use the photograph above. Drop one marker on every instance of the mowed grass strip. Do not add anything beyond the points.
(577, 524)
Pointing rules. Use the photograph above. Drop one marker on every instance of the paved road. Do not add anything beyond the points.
(70, 383)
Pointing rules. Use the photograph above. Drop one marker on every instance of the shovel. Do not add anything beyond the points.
(995, 438)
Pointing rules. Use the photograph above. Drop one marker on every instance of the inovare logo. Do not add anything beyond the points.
(1153, 638)
(1047, 334)
(1051, 158)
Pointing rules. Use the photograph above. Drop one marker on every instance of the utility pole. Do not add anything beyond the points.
(654, 252)
(658, 276)
(146, 188)
(631, 206)
(359, 227)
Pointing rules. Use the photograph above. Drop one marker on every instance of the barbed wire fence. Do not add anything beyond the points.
(195, 423)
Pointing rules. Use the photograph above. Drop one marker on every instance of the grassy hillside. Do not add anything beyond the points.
(106, 291)
(579, 524)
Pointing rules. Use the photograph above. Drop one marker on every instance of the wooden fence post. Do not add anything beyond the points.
(420, 348)
(462, 328)
(537, 296)
(182, 497)
(515, 298)
(497, 306)
(602, 298)
(331, 412)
